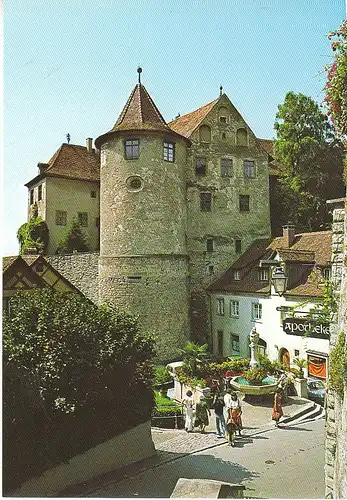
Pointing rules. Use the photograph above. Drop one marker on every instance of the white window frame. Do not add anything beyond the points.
(169, 151)
(257, 311)
(236, 275)
(234, 308)
(263, 274)
(220, 306)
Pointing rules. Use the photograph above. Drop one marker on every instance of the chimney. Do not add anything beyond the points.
(42, 167)
(289, 235)
(89, 144)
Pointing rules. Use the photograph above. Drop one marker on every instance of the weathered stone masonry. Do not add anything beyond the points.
(336, 418)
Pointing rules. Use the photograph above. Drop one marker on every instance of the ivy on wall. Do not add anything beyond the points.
(33, 234)
(338, 365)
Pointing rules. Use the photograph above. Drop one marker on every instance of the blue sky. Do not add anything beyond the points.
(69, 66)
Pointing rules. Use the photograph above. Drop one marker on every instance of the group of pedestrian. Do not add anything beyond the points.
(227, 411)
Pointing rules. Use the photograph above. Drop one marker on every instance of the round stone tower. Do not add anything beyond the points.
(143, 265)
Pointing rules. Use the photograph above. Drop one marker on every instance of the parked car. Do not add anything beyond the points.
(316, 391)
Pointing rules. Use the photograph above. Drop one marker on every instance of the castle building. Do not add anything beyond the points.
(179, 202)
(67, 188)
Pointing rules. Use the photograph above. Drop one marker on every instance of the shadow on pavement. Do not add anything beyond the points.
(241, 441)
(293, 427)
(159, 481)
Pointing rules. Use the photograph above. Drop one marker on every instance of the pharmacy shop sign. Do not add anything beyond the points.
(306, 328)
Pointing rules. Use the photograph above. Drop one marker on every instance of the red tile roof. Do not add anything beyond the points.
(268, 145)
(72, 161)
(139, 113)
(186, 124)
(312, 248)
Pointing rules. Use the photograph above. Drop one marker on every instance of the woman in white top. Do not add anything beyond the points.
(189, 407)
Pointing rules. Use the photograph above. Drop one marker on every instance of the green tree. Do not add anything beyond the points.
(311, 160)
(33, 234)
(73, 240)
(74, 375)
(192, 355)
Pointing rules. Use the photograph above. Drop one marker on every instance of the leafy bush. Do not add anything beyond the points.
(33, 234)
(162, 400)
(162, 375)
(74, 375)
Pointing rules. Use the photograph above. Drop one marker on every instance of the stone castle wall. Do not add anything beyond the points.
(336, 419)
(81, 269)
(154, 287)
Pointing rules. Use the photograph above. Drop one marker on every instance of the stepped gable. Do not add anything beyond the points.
(72, 161)
(307, 248)
(186, 124)
(139, 114)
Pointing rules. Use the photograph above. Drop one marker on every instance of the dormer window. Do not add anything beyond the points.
(236, 274)
(132, 148)
(169, 151)
(263, 274)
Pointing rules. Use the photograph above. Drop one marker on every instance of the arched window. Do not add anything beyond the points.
(241, 137)
(205, 133)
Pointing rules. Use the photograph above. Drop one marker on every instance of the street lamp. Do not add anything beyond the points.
(279, 281)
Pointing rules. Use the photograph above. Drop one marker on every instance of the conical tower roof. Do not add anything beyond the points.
(139, 114)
